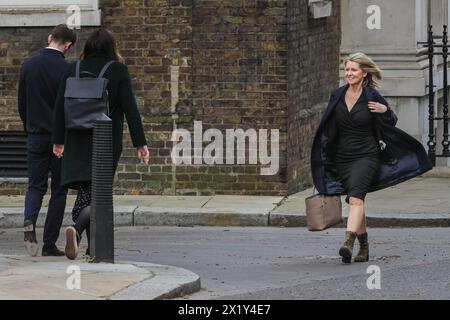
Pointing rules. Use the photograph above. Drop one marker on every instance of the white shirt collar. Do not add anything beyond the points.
(53, 49)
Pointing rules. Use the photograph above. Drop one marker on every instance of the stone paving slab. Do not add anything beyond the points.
(239, 202)
(48, 278)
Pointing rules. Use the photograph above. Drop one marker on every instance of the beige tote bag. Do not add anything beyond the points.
(323, 212)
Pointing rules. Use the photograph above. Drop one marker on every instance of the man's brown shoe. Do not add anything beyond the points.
(51, 251)
(29, 238)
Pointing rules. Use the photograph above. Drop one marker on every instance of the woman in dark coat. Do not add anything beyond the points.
(75, 146)
(357, 149)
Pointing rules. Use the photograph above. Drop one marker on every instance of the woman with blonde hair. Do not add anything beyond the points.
(357, 148)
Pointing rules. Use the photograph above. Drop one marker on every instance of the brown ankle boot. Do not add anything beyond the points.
(363, 254)
(347, 249)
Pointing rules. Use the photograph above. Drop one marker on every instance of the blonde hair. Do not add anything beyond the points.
(367, 65)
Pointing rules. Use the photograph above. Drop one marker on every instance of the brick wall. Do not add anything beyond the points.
(239, 81)
(147, 30)
(313, 74)
(242, 63)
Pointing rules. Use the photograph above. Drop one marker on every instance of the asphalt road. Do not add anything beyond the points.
(287, 263)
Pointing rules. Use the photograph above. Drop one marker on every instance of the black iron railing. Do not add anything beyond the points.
(433, 50)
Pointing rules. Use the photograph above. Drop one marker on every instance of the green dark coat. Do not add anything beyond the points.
(76, 161)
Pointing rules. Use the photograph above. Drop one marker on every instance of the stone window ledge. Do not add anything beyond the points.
(43, 13)
(13, 180)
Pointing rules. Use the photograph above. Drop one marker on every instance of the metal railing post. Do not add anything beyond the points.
(431, 143)
(445, 142)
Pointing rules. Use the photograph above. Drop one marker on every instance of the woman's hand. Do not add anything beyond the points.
(377, 107)
(143, 154)
(58, 150)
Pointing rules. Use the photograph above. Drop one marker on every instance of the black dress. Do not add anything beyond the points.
(357, 153)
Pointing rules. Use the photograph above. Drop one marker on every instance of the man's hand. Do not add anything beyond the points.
(143, 154)
(58, 150)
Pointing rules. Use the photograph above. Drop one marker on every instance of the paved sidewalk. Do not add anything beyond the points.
(54, 278)
(423, 201)
(419, 202)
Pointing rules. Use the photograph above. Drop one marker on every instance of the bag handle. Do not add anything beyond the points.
(77, 69)
(102, 72)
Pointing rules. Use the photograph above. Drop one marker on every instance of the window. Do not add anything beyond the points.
(39, 13)
(320, 8)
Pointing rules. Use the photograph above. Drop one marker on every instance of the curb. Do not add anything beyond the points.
(13, 217)
(381, 221)
(250, 217)
(168, 283)
(186, 217)
(438, 172)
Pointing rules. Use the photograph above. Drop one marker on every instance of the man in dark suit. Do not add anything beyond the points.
(40, 77)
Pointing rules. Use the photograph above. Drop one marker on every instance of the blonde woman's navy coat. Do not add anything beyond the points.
(403, 157)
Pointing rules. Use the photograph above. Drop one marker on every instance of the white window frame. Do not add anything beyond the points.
(40, 13)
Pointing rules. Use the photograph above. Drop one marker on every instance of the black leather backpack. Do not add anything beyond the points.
(85, 99)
